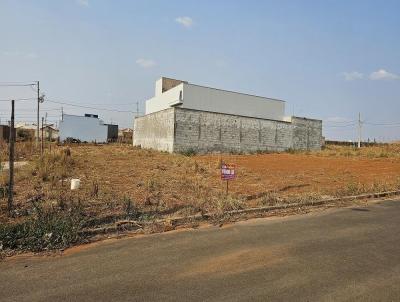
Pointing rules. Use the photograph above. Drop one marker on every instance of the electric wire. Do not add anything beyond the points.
(18, 100)
(89, 107)
(16, 85)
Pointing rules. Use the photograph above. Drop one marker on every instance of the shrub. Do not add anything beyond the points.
(291, 151)
(270, 199)
(228, 204)
(189, 152)
(49, 228)
(130, 208)
(53, 165)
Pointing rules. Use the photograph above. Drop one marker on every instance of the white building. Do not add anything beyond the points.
(184, 117)
(88, 128)
(170, 93)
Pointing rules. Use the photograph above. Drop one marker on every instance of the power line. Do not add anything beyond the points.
(20, 99)
(28, 115)
(339, 126)
(16, 85)
(384, 124)
(90, 107)
(339, 122)
(18, 82)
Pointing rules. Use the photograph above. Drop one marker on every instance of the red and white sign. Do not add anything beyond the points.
(227, 172)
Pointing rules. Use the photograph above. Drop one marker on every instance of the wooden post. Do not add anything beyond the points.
(227, 186)
(11, 163)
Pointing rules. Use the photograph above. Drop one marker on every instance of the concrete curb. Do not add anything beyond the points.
(288, 206)
(128, 225)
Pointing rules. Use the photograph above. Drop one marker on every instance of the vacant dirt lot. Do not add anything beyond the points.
(300, 173)
(114, 175)
(123, 185)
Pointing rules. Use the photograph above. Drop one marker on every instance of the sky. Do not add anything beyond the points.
(327, 59)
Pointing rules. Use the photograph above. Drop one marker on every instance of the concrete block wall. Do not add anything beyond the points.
(307, 133)
(213, 132)
(155, 131)
(178, 129)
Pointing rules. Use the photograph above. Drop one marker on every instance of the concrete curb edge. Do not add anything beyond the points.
(128, 225)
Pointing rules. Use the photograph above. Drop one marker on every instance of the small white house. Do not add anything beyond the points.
(88, 128)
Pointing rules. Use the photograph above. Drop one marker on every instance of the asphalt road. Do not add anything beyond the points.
(350, 254)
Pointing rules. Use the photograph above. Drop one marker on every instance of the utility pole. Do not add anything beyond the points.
(11, 162)
(359, 129)
(136, 115)
(62, 113)
(37, 116)
(42, 141)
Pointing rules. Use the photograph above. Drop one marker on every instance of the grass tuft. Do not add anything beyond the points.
(47, 229)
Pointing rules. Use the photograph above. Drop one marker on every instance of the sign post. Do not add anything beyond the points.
(227, 173)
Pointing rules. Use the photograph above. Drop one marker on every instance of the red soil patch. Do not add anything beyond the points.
(298, 173)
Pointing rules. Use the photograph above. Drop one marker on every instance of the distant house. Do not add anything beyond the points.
(4, 133)
(125, 135)
(50, 133)
(112, 132)
(88, 128)
(26, 132)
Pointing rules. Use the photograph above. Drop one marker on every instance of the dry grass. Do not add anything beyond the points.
(23, 151)
(130, 182)
(378, 151)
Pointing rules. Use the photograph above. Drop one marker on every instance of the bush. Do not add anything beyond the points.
(57, 165)
(50, 228)
(130, 208)
(228, 203)
(270, 199)
(189, 152)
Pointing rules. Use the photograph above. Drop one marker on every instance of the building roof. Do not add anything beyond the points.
(231, 91)
(26, 126)
(49, 127)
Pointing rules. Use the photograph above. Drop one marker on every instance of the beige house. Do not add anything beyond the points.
(50, 133)
(28, 132)
(125, 135)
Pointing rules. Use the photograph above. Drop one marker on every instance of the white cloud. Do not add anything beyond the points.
(353, 75)
(382, 74)
(31, 55)
(20, 54)
(185, 21)
(83, 2)
(146, 63)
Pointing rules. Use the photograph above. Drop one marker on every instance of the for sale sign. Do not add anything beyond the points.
(228, 172)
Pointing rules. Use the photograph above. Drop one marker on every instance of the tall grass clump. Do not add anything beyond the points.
(189, 152)
(55, 165)
(228, 203)
(47, 229)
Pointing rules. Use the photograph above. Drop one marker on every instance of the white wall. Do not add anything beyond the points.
(155, 130)
(222, 101)
(86, 129)
(164, 100)
(158, 90)
(216, 100)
